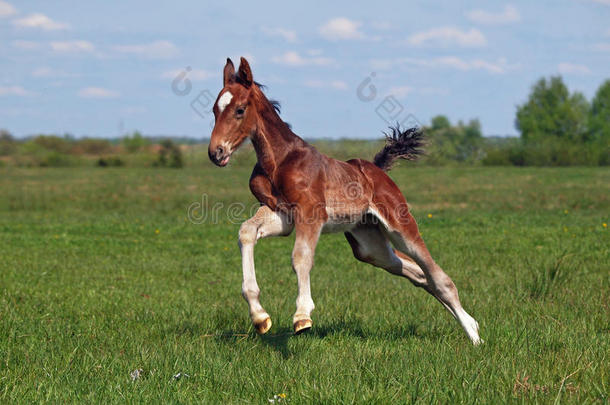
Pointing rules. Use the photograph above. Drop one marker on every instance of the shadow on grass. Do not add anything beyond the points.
(278, 341)
(338, 329)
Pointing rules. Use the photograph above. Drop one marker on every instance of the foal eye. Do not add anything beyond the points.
(239, 111)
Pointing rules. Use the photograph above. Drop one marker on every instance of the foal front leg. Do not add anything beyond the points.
(307, 236)
(263, 224)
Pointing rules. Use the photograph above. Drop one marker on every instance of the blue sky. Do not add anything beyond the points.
(105, 68)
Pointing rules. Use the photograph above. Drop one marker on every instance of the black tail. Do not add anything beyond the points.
(400, 144)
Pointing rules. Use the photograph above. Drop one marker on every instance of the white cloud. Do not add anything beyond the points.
(509, 15)
(341, 28)
(97, 92)
(572, 68)
(603, 47)
(333, 84)
(476, 64)
(192, 74)
(288, 35)
(6, 9)
(452, 62)
(491, 67)
(434, 91)
(27, 45)
(447, 36)
(14, 91)
(43, 72)
(292, 58)
(49, 72)
(444, 61)
(40, 21)
(72, 46)
(338, 84)
(381, 64)
(153, 50)
(401, 91)
(314, 52)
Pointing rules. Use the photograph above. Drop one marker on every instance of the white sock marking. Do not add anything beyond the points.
(224, 101)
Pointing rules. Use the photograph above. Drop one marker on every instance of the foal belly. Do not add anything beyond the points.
(341, 222)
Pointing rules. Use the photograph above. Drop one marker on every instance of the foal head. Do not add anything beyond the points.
(235, 111)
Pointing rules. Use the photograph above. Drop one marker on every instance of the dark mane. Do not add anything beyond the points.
(272, 107)
(277, 107)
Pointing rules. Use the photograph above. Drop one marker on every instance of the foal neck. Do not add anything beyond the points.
(273, 140)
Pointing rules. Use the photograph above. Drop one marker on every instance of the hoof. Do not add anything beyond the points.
(302, 326)
(263, 326)
(478, 341)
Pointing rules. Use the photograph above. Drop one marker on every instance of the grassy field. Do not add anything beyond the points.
(102, 274)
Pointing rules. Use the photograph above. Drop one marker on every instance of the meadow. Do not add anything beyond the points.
(103, 273)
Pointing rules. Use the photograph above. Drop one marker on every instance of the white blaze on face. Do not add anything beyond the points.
(224, 101)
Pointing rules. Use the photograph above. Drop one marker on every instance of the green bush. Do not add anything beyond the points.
(57, 159)
(170, 155)
(549, 152)
(53, 143)
(111, 161)
(41, 152)
(497, 157)
(91, 146)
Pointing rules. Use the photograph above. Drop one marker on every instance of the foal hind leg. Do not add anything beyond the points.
(405, 236)
(371, 246)
(263, 224)
(402, 231)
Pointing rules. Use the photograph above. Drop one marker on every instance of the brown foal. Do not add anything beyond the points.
(303, 190)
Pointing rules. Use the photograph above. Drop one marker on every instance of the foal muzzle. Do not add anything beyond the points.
(219, 156)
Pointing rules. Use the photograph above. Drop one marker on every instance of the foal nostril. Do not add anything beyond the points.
(219, 151)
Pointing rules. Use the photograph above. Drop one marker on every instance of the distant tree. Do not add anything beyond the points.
(472, 130)
(599, 121)
(7, 143)
(439, 122)
(135, 142)
(552, 112)
(462, 142)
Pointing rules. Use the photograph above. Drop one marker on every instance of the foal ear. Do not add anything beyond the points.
(244, 72)
(228, 73)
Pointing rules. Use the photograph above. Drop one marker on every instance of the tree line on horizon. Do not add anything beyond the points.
(557, 128)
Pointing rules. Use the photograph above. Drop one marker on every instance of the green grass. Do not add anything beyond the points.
(90, 291)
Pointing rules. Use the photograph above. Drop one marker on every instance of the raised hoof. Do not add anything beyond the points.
(301, 326)
(263, 326)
